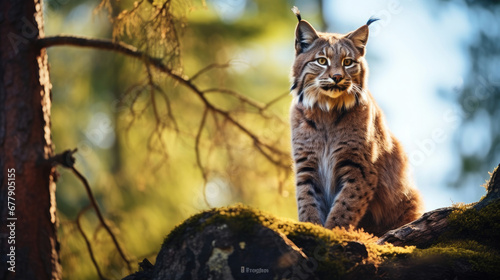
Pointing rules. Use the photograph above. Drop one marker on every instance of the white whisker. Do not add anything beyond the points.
(359, 92)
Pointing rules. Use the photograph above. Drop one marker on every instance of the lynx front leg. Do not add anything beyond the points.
(309, 192)
(308, 203)
(356, 193)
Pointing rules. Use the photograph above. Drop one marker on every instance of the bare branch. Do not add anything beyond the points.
(238, 96)
(103, 44)
(153, 100)
(98, 212)
(198, 157)
(67, 160)
(183, 80)
(261, 108)
(257, 142)
(159, 121)
(168, 107)
(278, 98)
(208, 68)
(80, 41)
(87, 242)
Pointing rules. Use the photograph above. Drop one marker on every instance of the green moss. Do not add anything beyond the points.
(472, 240)
(470, 224)
(482, 258)
(245, 220)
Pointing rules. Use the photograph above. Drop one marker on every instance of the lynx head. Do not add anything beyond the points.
(330, 69)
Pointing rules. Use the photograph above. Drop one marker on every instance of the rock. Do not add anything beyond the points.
(221, 250)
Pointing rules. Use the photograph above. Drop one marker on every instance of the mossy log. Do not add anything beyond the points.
(424, 231)
(459, 242)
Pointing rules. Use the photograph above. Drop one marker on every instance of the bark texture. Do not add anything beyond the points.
(25, 145)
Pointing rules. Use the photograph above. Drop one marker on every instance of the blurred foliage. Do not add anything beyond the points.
(140, 156)
(478, 135)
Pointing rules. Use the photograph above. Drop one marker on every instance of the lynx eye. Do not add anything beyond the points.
(322, 61)
(347, 62)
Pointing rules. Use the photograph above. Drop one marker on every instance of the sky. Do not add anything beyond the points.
(417, 49)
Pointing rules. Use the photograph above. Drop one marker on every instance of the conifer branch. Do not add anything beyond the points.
(271, 153)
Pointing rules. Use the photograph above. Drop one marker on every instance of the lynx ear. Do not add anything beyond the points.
(305, 35)
(360, 36)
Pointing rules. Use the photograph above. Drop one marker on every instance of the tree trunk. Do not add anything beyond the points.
(28, 242)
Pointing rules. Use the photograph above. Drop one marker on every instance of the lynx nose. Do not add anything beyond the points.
(337, 78)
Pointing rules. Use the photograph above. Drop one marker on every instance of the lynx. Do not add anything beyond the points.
(350, 169)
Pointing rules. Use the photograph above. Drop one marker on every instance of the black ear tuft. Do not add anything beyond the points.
(371, 20)
(305, 34)
(296, 11)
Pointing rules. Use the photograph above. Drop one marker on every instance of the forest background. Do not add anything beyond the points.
(154, 161)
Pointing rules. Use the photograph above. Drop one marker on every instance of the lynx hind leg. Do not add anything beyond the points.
(308, 203)
(352, 201)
